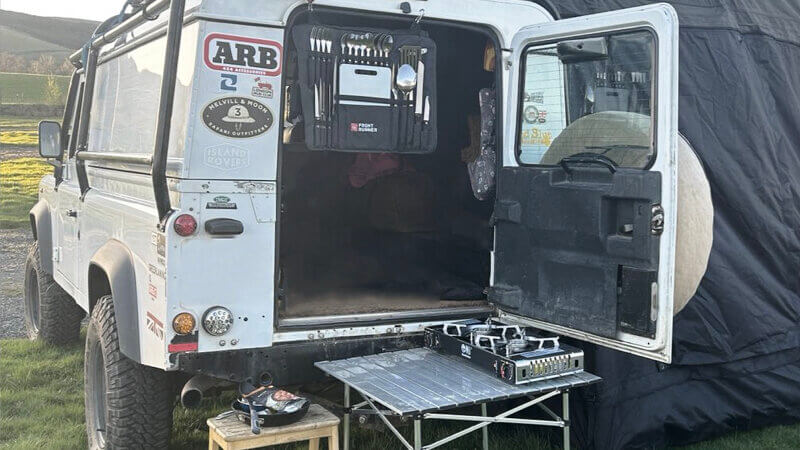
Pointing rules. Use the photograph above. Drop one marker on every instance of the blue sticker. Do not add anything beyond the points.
(228, 82)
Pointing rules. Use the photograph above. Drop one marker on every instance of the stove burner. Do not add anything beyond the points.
(516, 346)
(515, 331)
(484, 340)
(542, 341)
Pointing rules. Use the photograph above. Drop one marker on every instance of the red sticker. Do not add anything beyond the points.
(183, 347)
(239, 54)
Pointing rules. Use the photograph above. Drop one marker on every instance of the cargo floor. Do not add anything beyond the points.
(366, 302)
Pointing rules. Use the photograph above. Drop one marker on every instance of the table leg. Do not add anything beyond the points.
(212, 440)
(485, 429)
(417, 434)
(313, 444)
(565, 407)
(333, 439)
(346, 424)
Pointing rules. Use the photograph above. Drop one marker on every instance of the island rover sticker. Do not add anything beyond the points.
(237, 117)
(227, 157)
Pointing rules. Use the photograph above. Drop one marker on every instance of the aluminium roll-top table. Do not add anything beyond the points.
(423, 384)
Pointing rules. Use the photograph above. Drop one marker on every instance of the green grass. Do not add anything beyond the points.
(41, 407)
(20, 131)
(19, 181)
(41, 396)
(30, 88)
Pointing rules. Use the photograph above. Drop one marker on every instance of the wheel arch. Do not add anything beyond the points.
(111, 272)
(42, 229)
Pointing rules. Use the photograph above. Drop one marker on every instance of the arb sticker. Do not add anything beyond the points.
(240, 54)
(237, 117)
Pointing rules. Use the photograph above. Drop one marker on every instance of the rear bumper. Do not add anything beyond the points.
(289, 363)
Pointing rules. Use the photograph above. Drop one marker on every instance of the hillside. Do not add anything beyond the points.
(32, 89)
(31, 36)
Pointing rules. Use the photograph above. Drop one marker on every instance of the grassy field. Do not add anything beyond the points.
(41, 407)
(19, 177)
(19, 180)
(29, 88)
(19, 131)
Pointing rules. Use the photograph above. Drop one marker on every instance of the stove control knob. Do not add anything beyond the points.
(506, 371)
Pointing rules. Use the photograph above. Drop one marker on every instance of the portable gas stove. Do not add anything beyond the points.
(513, 353)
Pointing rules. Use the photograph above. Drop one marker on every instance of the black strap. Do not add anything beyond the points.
(358, 98)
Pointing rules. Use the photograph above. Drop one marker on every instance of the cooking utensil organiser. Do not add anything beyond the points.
(352, 97)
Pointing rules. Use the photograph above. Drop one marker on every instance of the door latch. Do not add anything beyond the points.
(657, 220)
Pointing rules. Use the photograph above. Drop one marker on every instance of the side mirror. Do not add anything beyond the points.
(50, 139)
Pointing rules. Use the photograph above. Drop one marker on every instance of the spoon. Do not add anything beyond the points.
(406, 79)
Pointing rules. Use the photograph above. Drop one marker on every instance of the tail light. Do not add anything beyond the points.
(185, 225)
(183, 323)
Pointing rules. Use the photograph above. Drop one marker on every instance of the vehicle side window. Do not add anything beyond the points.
(589, 96)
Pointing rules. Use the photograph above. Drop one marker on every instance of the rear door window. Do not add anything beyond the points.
(601, 88)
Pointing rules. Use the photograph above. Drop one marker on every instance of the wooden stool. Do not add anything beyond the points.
(231, 434)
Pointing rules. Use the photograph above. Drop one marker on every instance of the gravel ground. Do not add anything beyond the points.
(13, 251)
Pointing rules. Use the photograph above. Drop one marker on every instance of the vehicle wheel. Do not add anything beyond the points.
(51, 314)
(128, 405)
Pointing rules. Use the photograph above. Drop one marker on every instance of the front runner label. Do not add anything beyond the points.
(230, 53)
(237, 117)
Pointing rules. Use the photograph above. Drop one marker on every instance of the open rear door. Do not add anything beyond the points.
(586, 198)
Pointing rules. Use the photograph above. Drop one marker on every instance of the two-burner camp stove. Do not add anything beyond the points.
(513, 353)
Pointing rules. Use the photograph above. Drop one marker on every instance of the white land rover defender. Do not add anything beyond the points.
(244, 188)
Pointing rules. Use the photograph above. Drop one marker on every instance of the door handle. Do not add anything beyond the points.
(71, 213)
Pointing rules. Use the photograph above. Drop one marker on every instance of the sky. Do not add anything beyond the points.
(81, 9)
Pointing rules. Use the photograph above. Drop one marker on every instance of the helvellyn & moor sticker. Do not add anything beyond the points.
(237, 117)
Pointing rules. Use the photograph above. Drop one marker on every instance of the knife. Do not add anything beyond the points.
(316, 102)
(420, 81)
(426, 117)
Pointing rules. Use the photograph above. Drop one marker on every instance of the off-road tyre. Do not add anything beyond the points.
(128, 405)
(51, 315)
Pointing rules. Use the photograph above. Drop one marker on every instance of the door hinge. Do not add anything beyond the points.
(657, 220)
(56, 254)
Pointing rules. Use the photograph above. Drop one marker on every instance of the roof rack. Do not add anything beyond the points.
(108, 31)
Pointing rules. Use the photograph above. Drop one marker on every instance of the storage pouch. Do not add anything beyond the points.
(361, 123)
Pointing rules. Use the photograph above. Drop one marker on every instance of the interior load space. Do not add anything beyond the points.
(374, 231)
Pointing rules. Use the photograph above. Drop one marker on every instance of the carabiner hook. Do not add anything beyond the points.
(419, 17)
(310, 5)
